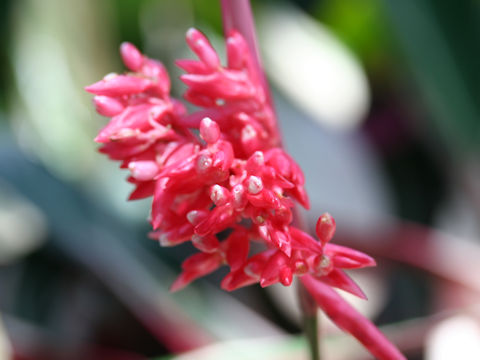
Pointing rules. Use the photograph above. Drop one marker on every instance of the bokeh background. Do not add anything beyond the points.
(379, 102)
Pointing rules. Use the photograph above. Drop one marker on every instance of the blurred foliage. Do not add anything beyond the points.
(441, 42)
(362, 26)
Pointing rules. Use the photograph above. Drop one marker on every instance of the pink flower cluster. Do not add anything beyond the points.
(218, 176)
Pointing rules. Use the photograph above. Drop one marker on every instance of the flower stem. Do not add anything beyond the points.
(237, 15)
(310, 321)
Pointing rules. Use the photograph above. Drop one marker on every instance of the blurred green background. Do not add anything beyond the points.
(379, 102)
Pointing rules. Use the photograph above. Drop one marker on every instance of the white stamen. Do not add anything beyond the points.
(258, 158)
(249, 271)
(248, 132)
(192, 216)
(203, 163)
(164, 240)
(237, 193)
(216, 194)
(190, 33)
(110, 76)
(255, 185)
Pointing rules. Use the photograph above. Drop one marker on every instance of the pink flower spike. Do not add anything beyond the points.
(132, 58)
(325, 228)
(107, 106)
(209, 130)
(351, 321)
(201, 46)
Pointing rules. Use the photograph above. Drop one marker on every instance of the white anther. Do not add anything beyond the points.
(237, 192)
(325, 262)
(203, 163)
(110, 76)
(255, 185)
(248, 132)
(190, 33)
(192, 216)
(164, 240)
(258, 157)
(216, 194)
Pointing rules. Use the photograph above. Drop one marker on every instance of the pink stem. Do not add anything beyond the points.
(350, 320)
(237, 15)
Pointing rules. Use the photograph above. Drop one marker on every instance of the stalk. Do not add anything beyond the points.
(237, 14)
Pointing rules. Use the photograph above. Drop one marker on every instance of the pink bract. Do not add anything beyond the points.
(218, 176)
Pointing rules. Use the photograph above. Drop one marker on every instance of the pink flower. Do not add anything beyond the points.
(220, 170)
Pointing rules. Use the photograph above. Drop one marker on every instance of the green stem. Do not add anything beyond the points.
(310, 321)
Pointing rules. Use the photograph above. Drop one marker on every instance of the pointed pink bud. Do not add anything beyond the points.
(161, 201)
(282, 241)
(286, 276)
(236, 50)
(132, 58)
(209, 130)
(207, 243)
(238, 246)
(265, 198)
(195, 217)
(174, 236)
(201, 46)
(107, 106)
(143, 170)
(325, 228)
(218, 219)
(237, 279)
(196, 266)
(144, 189)
(155, 70)
(271, 272)
(223, 156)
(254, 185)
(192, 66)
(304, 241)
(339, 279)
(348, 258)
(118, 85)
